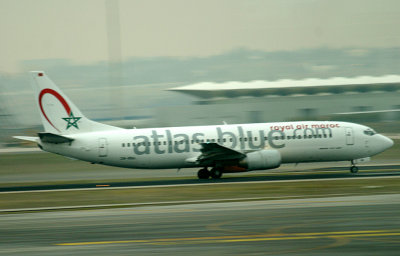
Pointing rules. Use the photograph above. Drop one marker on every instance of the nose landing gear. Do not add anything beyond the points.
(353, 168)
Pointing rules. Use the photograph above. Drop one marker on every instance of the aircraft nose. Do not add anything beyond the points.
(387, 142)
(390, 142)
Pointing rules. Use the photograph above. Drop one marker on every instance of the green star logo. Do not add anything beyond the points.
(72, 121)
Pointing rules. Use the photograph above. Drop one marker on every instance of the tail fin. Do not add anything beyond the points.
(59, 115)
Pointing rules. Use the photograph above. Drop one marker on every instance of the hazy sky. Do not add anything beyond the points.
(76, 29)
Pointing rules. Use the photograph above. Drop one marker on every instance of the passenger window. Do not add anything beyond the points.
(123, 144)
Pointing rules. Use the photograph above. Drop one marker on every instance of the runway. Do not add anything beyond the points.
(354, 225)
(313, 174)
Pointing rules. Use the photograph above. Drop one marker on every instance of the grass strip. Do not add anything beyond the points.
(303, 189)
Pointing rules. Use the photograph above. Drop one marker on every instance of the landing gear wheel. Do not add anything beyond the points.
(354, 169)
(203, 174)
(216, 173)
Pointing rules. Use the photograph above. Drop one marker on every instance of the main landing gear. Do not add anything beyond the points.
(353, 168)
(216, 173)
(204, 174)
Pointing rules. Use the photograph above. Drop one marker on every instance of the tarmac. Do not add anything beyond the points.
(352, 225)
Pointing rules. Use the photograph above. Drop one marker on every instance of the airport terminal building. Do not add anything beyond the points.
(364, 97)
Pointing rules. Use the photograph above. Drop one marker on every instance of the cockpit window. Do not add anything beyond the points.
(369, 132)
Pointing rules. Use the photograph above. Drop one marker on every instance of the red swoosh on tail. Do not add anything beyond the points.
(59, 97)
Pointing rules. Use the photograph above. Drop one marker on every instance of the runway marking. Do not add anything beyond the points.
(249, 238)
(306, 237)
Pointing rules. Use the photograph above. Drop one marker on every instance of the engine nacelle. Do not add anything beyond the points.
(262, 160)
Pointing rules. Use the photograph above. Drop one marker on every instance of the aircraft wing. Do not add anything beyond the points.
(211, 152)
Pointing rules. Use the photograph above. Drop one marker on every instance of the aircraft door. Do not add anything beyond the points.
(102, 147)
(349, 136)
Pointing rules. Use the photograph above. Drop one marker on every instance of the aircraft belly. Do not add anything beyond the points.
(315, 153)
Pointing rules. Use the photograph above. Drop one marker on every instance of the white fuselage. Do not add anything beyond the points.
(174, 147)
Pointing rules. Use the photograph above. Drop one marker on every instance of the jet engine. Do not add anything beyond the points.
(261, 160)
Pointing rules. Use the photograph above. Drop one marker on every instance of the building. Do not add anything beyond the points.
(284, 100)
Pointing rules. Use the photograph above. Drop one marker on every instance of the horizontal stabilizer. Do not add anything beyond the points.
(28, 138)
(53, 138)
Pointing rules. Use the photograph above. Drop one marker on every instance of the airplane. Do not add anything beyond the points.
(215, 149)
